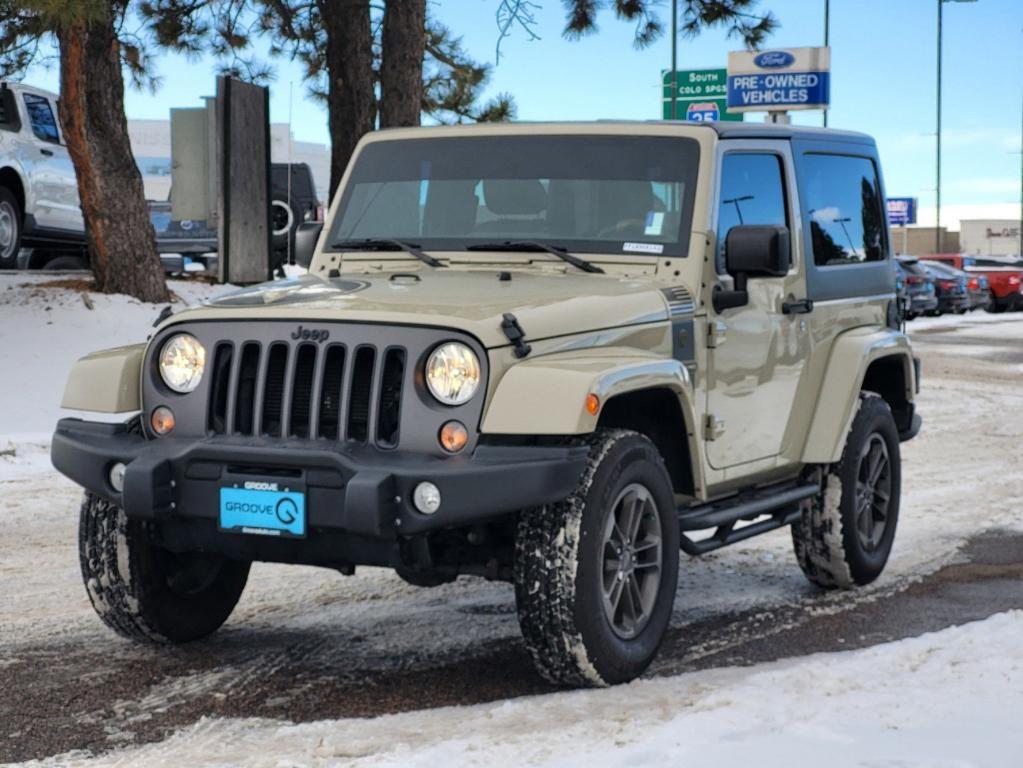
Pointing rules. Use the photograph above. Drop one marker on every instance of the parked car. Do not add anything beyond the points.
(39, 206)
(294, 201)
(978, 289)
(921, 297)
(186, 246)
(518, 354)
(191, 245)
(1005, 278)
(953, 295)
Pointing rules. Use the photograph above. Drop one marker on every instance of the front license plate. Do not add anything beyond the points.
(263, 512)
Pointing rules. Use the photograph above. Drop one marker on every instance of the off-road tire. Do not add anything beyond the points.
(9, 204)
(559, 567)
(827, 545)
(135, 588)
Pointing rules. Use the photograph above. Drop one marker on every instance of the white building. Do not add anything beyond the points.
(151, 145)
(990, 237)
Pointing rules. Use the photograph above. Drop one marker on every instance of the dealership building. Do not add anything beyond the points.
(151, 145)
(990, 237)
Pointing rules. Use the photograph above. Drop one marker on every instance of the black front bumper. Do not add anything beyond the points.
(360, 491)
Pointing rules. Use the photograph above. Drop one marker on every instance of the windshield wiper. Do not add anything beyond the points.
(535, 247)
(387, 244)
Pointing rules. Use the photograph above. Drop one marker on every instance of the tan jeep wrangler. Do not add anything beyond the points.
(550, 354)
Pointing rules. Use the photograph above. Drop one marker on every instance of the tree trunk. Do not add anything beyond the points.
(351, 100)
(401, 71)
(121, 240)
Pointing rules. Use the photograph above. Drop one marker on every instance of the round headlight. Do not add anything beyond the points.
(453, 373)
(182, 361)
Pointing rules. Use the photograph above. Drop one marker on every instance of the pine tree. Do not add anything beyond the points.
(94, 52)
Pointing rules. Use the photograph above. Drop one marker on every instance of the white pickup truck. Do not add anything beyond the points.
(40, 216)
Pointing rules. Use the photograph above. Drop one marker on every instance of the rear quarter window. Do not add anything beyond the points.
(845, 207)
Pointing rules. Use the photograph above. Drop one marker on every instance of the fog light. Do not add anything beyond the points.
(117, 477)
(453, 436)
(426, 497)
(162, 420)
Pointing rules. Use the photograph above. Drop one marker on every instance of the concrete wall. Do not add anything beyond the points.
(991, 237)
(917, 241)
(151, 145)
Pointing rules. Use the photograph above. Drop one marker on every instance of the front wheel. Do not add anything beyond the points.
(845, 534)
(595, 574)
(10, 229)
(146, 593)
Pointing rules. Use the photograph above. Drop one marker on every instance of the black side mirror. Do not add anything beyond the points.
(306, 235)
(752, 251)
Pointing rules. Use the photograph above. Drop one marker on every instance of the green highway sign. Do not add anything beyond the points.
(702, 95)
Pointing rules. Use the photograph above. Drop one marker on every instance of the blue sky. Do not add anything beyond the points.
(883, 81)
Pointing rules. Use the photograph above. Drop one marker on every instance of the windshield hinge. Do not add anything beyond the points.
(512, 329)
(713, 428)
(715, 333)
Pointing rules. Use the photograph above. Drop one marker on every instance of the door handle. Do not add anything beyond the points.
(801, 307)
(47, 152)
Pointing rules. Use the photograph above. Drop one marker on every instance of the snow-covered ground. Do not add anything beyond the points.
(947, 699)
(952, 699)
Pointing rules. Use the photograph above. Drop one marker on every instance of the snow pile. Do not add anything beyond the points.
(951, 698)
(46, 324)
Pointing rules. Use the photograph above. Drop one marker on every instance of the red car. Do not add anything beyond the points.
(1005, 280)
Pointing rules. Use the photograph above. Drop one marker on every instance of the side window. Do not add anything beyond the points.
(843, 198)
(752, 192)
(41, 117)
(9, 119)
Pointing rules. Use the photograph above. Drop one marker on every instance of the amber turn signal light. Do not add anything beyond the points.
(453, 436)
(592, 404)
(162, 420)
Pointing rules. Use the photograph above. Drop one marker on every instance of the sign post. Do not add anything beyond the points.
(901, 213)
(700, 94)
(779, 80)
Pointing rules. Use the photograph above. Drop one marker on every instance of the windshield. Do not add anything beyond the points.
(592, 194)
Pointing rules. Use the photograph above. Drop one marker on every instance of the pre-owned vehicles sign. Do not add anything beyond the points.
(781, 80)
(901, 211)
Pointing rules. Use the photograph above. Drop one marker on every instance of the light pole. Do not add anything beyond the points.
(674, 59)
(827, 31)
(735, 201)
(937, 152)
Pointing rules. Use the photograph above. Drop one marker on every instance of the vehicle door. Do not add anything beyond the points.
(757, 351)
(850, 276)
(53, 174)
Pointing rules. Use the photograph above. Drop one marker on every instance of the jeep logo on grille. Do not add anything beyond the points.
(321, 334)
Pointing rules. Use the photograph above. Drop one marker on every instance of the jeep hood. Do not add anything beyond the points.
(473, 301)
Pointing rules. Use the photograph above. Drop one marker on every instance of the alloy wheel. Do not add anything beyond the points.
(631, 569)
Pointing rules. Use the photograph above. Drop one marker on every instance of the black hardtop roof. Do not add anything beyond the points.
(735, 130)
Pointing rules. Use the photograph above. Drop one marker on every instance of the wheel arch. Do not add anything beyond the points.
(656, 413)
(547, 396)
(12, 179)
(879, 361)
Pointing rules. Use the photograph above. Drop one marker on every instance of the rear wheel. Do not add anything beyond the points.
(146, 593)
(10, 229)
(66, 262)
(595, 575)
(845, 534)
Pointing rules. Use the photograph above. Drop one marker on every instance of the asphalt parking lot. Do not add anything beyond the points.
(308, 644)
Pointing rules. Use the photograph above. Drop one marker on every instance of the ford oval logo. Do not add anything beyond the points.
(774, 59)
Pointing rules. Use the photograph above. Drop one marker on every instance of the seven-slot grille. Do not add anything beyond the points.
(307, 390)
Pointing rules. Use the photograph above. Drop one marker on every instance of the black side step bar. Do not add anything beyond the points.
(780, 502)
